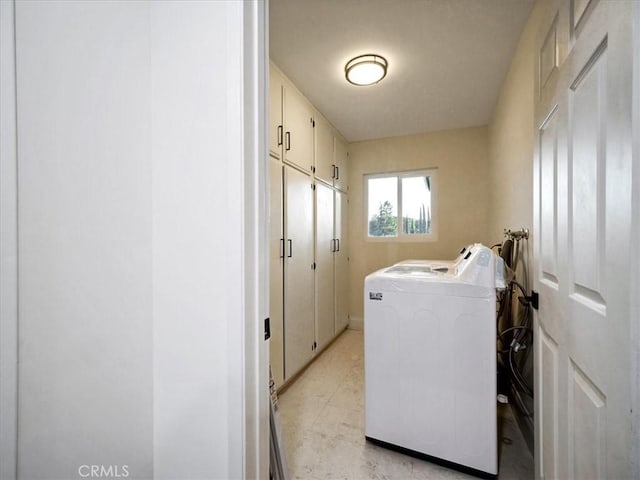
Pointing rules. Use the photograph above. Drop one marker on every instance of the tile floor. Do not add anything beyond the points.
(322, 418)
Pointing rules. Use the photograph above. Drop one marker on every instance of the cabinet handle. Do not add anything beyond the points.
(290, 248)
(288, 141)
(337, 244)
(279, 135)
(333, 245)
(337, 173)
(333, 175)
(282, 248)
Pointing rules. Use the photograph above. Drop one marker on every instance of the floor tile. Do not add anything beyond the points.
(322, 416)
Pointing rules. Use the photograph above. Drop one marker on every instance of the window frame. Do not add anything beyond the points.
(402, 237)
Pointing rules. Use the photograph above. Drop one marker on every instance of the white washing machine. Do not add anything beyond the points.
(430, 360)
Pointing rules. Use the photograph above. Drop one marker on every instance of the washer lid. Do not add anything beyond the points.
(476, 274)
(427, 283)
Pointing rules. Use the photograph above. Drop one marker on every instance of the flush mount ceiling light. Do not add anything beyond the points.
(365, 69)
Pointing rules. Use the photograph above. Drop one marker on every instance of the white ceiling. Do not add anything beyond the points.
(447, 59)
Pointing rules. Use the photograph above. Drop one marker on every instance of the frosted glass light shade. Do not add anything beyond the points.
(366, 69)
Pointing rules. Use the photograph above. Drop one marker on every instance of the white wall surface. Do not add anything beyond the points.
(85, 239)
(634, 287)
(8, 248)
(196, 109)
(131, 238)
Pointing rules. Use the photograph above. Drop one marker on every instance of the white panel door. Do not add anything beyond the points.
(276, 270)
(298, 134)
(299, 275)
(325, 168)
(341, 261)
(582, 216)
(325, 246)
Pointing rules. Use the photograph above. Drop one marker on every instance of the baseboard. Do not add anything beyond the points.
(282, 388)
(356, 323)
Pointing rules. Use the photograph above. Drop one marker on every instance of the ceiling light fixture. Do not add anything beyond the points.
(365, 69)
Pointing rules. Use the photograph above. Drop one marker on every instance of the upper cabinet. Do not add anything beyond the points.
(340, 158)
(290, 123)
(276, 133)
(298, 130)
(330, 154)
(325, 168)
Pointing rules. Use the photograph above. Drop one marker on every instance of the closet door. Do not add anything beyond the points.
(299, 275)
(298, 135)
(341, 260)
(276, 270)
(276, 133)
(340, 160)
(325, 246)
(325, 168)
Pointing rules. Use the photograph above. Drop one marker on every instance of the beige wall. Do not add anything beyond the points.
(462, 158)
(511, 146)
(511, 137)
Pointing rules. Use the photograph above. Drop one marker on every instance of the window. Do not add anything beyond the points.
(408, 196)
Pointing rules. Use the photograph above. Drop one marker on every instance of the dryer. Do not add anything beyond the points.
(430, 360)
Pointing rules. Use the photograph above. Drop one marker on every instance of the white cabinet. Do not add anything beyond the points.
(330, 155)
(308, 259)
(332, 267)
(276, 133)
(325, 168)
(276, 269)
(299, 335)
(290, 123)
(298, 130)
(340, 157)
(325, 247)
(341, 262)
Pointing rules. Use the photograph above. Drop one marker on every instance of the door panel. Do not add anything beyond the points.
(299, 282)
(275, 113)
(324, 265)
(548, 200)
(340, 159)
(298, 139)
(586, 426)
(586, 144)
(341, 262)
(548, 395)
(582, 216)
(324, 150)
(276, 270)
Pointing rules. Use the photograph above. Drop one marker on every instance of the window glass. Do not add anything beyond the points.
(383, 206)
(401, 206)
(416, 205)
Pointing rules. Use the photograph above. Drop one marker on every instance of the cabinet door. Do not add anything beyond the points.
(276, 270)
(340, 159)
(325, 247)
(341, 259)
(299, 276)
(298, 139)
(324, 150)
(276, 133)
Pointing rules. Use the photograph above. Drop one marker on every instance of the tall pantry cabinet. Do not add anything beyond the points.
(306, 308)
